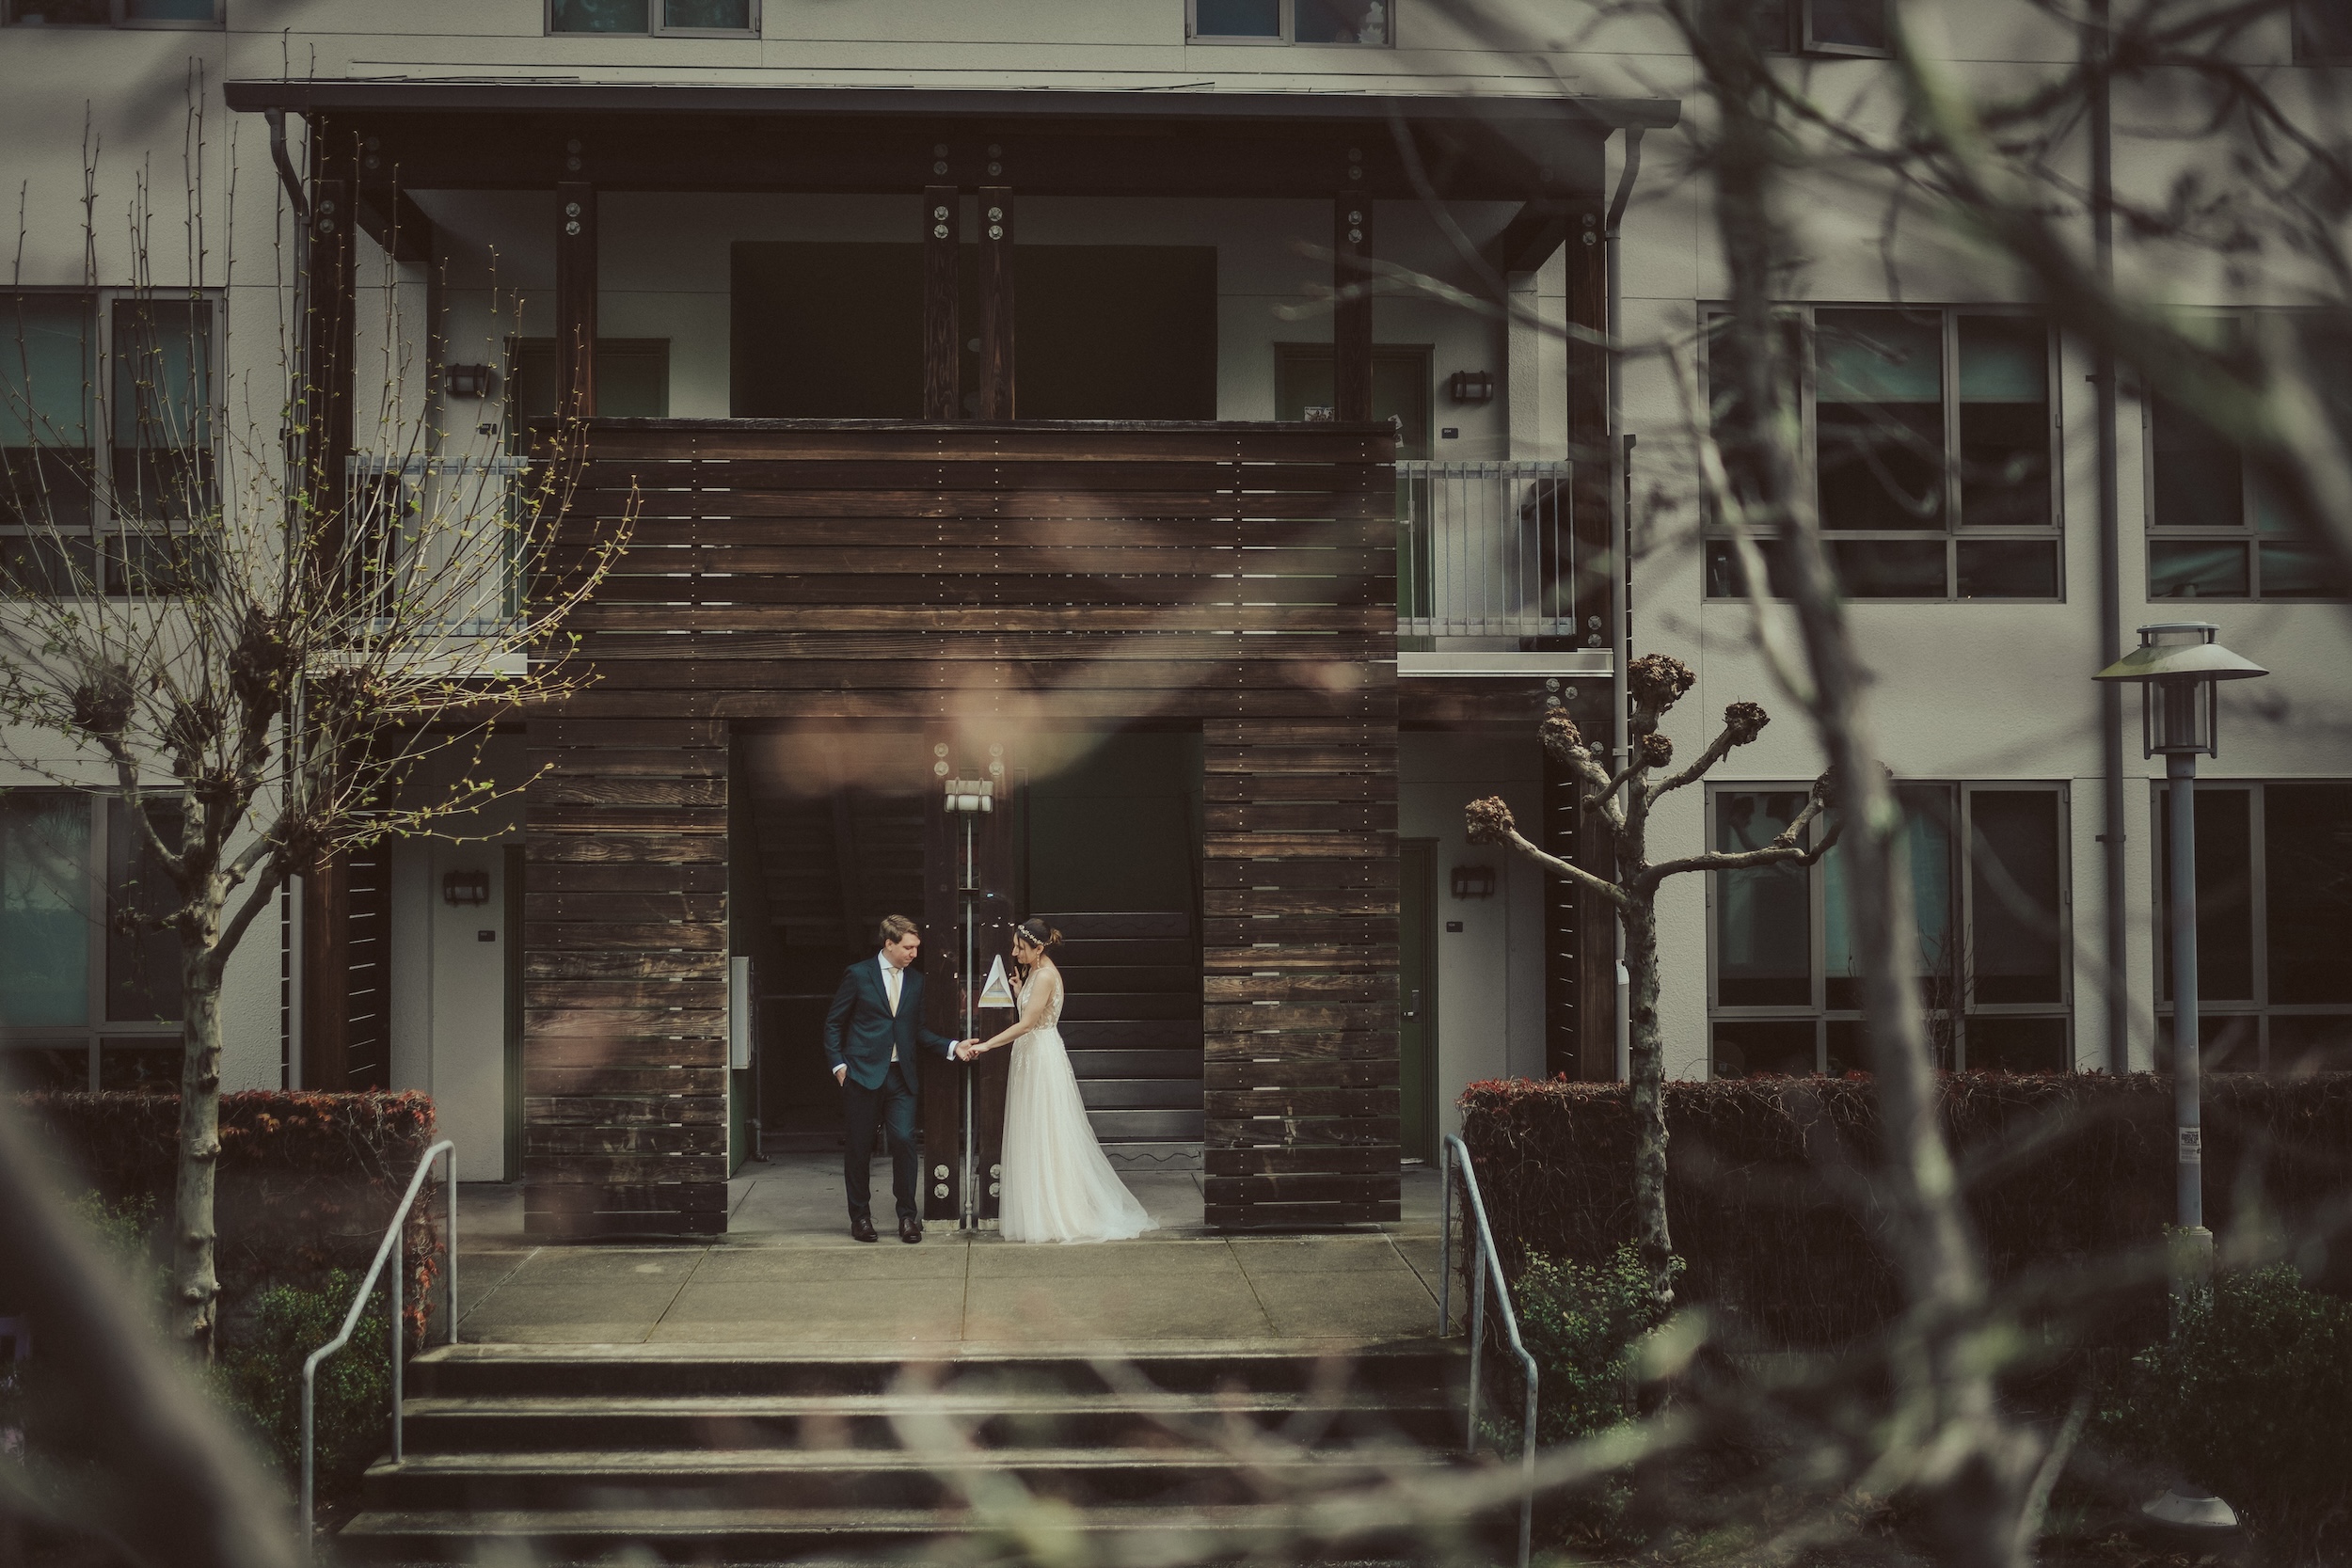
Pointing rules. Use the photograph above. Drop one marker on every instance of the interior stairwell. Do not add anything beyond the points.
(1132, 1026)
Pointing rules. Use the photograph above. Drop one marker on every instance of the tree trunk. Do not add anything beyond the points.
(1645, 1068)
(195, 1280)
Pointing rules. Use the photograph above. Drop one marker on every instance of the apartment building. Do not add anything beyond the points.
(975, 378)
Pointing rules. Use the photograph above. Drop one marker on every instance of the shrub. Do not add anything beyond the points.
(2251, 1398)
(307, 1182)
(1767, 1183)
(263, 1376)
(1581, 1323)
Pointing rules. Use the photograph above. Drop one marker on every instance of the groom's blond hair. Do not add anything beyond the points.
(897, 928)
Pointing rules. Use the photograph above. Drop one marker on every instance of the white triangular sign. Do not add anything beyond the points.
(998, 991)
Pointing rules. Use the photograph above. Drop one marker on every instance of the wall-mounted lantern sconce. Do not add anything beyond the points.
(1473, 881)
(971, 793)
(464, 888)
(468, 381)
(1472, 386)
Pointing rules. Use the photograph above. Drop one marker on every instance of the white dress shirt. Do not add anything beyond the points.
(893, 978)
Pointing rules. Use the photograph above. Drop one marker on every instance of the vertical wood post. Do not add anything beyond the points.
(943, 348)
(1586, 597)
(330, 311)
(997, 280)
(942, 1087)
(575, 299)
(1351, 319)
(325, 965)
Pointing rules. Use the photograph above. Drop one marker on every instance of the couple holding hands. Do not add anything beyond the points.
(1056, 1186)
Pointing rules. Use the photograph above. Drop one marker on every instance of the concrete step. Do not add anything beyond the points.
(673, 1371)
(674, 1478)
(992, 1419)
(759, 1536)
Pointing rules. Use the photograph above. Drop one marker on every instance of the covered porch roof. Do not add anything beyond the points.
(432, 135)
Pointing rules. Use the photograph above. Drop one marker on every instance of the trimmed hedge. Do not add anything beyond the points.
(308, 1181)
(1768, 1181)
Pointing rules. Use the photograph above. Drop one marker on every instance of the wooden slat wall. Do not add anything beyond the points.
(978, 575)
(624, 1020)
(1301, 952)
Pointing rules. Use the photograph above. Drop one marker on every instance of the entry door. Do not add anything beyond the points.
(967, 871)
(1417, 997)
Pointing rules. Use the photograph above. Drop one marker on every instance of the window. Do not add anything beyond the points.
(2274, 922)
(1400, 389)
(665, 18)
(106, 474)
(114, 13)
(1819, 26)
(2212, 532)
(83, 1003)
(2322, 32)
(1931, 435)
(1987, 869)
(1292, 21)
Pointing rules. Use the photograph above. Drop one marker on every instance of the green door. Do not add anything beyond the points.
(1416, 999)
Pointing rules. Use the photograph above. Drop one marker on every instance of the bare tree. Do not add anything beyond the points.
(260, 654)
(1624, 801)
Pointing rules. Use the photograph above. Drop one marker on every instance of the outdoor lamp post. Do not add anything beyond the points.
(2178, 666)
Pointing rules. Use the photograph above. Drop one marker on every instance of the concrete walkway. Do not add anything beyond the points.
(787, 1274)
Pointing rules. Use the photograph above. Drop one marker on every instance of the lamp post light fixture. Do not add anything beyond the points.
(2179, 667)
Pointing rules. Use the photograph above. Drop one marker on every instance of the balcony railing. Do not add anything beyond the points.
(436, 540)
(1486, 550)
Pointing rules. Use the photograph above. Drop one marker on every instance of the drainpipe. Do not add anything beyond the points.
(1621, 552)
(2110, 562)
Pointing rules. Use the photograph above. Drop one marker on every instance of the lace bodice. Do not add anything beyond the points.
(1053, 1008)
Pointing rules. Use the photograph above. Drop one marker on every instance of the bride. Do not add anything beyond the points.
(1058, 1186)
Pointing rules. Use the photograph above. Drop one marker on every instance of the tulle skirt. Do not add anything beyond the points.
(1058, 1186)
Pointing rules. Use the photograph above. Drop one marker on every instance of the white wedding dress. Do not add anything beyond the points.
(1058, 1186)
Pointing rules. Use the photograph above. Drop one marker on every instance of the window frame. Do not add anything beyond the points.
(1802, 22)
(655, 27)
(95, 1034)
(1287, 16)
(2248, 533)
(1955, 529)
(116, 19)
(2261, 1008)
(2304, 41)
(109, 524)
(1959, 795)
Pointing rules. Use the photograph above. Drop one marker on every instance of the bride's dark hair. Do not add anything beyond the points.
(1039, 933)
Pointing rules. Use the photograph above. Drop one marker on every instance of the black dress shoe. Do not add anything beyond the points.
(862, 1229)
(910, 1230)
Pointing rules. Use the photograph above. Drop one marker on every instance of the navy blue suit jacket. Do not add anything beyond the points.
(861, 1033)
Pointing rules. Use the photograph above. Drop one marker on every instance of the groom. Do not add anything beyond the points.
(871, 1033)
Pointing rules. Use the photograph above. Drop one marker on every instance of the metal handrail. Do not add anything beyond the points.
(1484, 1263)
(358, 1305)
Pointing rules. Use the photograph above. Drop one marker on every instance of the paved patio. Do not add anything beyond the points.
(787, 1274)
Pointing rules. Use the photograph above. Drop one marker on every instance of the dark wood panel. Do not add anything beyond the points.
(607, 1021)
(1334, 1158)
(606, 511)
(654, 935)
(627, 1170)
(1243, 931)
(672, 735)
(1236, 1074)
(1301, 845)
(955, 558)
(624, 906)
(739, 517)
(671, 1077)
(1329, 955)
(1263, 788)
(1273, 738)
(1076, 700)
(624, 993)
(580, 789)
(586, 1199)
(542, 1140)
(627, 848)
(1274, 1131)
(735, 441)
(1300, 988)
(624, 965)
(909, 586)
(620, 762)
(1272, 1188)
(626, 1110)
(1333, 900)
(979, 471)
(1337, 761)
(966, 620)
(1297, 1217)
(1325, 1045)
(623, 876)
(1290, 1102)
(973, 648)
(1302, 873)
